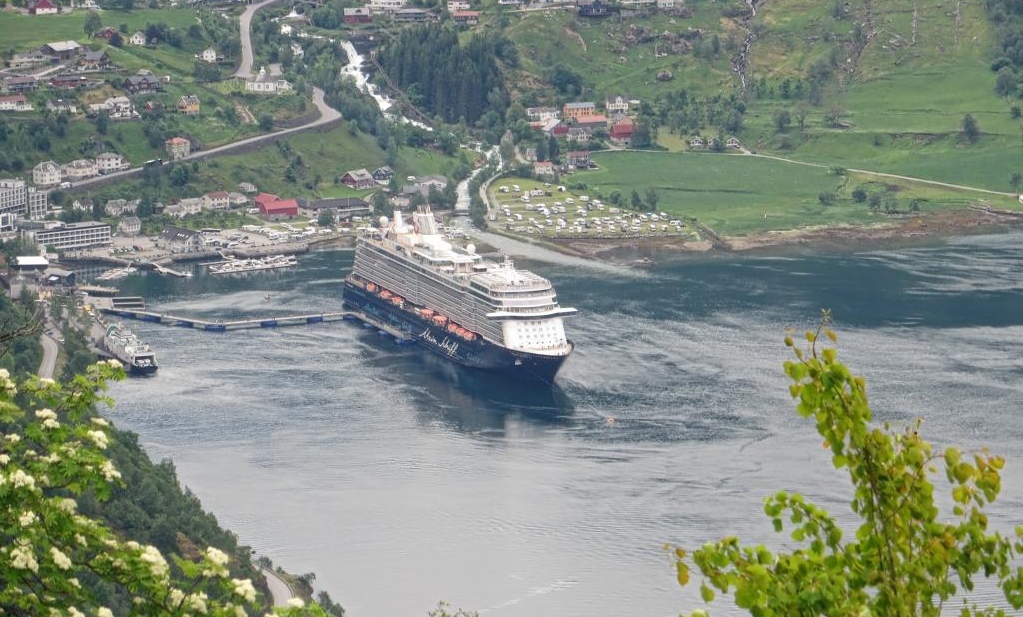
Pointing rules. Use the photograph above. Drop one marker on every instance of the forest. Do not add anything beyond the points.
(454, 82)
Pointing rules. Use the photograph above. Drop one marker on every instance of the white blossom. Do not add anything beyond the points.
(74, 583)
(74, 612)
(197, 602)
(239, 611)
(59, 558)
(4, 459)
(243, 587)
(50, 423)
(176, 596)
(46, 383)
(99, 437)
(296, 602)
(66, 504)
(99, 421)
(44, 414)
(27, 518)
(13, 438)
(109, 471)
(20, 478)
(216, 555)
(22, 557)
(156, 562)
(104, 612)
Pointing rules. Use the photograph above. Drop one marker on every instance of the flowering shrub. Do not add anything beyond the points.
(52, 451)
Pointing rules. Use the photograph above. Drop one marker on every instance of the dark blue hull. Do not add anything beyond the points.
(478, 353)
(141, 370)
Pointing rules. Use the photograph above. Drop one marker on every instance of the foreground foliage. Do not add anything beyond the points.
(57, 560)
(903, 558)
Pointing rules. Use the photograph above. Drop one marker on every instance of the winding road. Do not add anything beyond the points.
(245, 28)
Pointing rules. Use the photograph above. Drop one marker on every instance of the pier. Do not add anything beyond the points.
(207, 325)
(223, 326)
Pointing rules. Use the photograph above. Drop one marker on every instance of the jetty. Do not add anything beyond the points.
(219, 325)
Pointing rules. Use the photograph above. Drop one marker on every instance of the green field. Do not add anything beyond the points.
(30, 31)
(739, 195)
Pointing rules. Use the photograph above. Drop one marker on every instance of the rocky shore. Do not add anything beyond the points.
(892, 231)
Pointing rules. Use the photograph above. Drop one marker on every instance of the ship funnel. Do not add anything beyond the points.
(425, 222)
(398, 222)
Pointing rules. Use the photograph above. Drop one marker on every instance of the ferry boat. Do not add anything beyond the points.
(232, 266)
(479, 313)
(137, 356)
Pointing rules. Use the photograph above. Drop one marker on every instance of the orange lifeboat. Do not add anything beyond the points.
(397, 300)
(440, 320)
(452, 327)
(371, 287)
(385, 294)
(425, 312)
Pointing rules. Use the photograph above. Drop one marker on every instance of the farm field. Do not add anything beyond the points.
(736, 195)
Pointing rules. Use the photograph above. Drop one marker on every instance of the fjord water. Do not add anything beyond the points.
(400, 480)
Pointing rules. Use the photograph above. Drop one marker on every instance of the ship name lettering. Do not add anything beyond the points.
(450, 346)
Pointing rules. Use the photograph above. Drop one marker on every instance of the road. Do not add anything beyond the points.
(280, 592)
(245, 28)
(327, 113)
(50, 349)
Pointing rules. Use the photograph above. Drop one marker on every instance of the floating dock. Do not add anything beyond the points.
(255, 323)
(222, 325)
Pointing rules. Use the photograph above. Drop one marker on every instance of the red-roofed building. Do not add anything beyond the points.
(466, 18)
(593, 121)
(265, 198)
(621, 133)
(279, 208)
(44, 7)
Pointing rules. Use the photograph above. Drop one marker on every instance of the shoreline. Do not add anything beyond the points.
(895, 231)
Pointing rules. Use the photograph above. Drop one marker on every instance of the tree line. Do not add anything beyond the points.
(454, 82)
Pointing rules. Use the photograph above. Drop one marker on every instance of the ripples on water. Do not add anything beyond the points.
(401, 480)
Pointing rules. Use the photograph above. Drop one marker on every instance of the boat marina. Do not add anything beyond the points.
(232, 266)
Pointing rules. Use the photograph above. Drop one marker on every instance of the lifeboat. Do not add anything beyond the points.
(397, 300)
(371, 287)
(470, 336)
(452, 328)
(440, 320)
(425, 312)
(385, 294)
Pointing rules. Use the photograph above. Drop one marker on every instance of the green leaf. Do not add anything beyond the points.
(706, 593)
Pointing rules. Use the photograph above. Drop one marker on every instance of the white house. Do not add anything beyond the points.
(185, 207)
(137, 39)
(78, 169)
(217, 200)
(109, 162)
(458, 5)
(264, 82)
(15, 102)
(386, 6)
(542, 114)
(616, 104)
(130, 226)
(117, 207)
(208, 55)
(46, 173)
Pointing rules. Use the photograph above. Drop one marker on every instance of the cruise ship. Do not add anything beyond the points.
(476, 312)
(137, 356)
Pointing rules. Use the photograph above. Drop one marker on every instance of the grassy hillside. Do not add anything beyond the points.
(876, 87)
